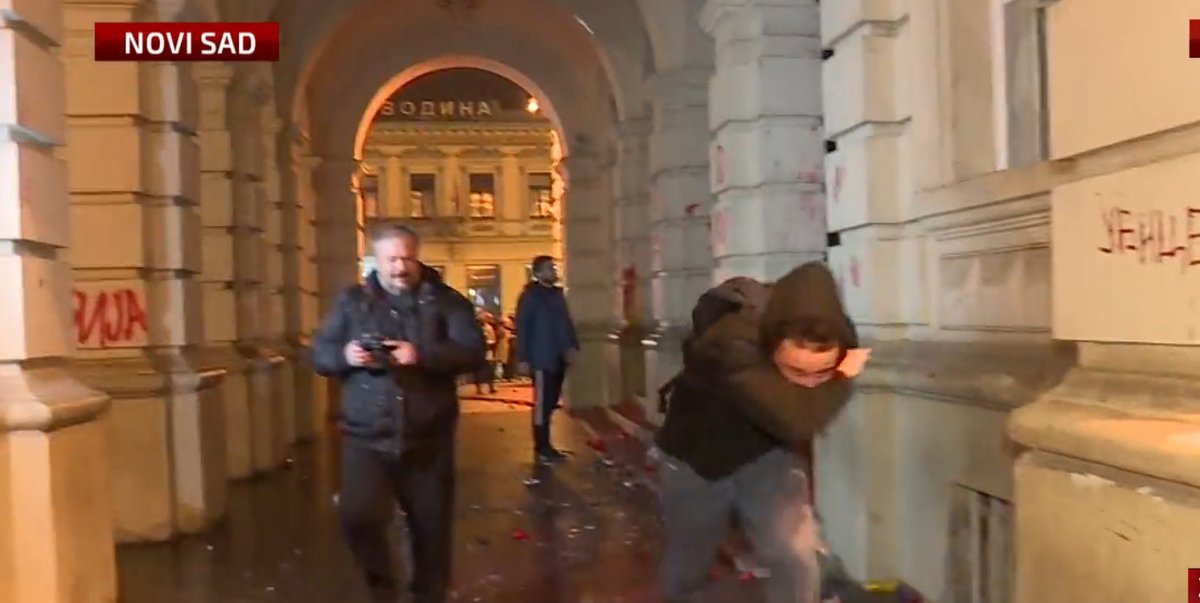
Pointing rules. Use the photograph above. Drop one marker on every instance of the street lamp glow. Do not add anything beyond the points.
(532, 105)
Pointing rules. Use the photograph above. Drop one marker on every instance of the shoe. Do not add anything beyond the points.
(550, 455)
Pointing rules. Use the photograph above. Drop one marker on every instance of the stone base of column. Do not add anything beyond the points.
(664, 358)
(302, 385)
(627, 363)
(239, 450)
(268, 448)
(167, 450)
(1109, 483)
(589, 381)
(56, 521)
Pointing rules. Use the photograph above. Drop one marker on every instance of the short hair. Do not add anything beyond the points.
(540, 262)
(392, 230)
(814, 333)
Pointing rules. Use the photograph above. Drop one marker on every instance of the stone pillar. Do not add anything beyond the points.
(275, 336)
(217, 279)
(767, 149)
(133, 174)
(632, 233)
(339, 228)
(56, 519)
(590, 290)
(396, 189)
(513, 199)
(679, 206)
(249, 92)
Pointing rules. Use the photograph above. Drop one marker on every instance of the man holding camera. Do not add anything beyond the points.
(398, 343)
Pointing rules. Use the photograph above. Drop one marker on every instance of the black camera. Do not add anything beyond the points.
(376, 345)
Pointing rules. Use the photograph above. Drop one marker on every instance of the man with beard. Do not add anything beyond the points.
(546, 343)
(398, 343)
(766, 369)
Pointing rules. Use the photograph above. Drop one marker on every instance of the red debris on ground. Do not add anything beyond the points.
(520, 535)
(598, 444)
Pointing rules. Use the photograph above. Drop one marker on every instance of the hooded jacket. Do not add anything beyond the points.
(731, 405)
(394, 407)
(545, 331)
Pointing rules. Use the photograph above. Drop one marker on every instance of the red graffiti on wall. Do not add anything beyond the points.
(691, 208)
(854, 274)
(104, 318)
(839, 178)
(720, 230)
(811, 204)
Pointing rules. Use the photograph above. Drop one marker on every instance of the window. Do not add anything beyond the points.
(1022, 129)
(482, 195)
(541, 199)
(422, 196)
(368, 191)
(483, 287)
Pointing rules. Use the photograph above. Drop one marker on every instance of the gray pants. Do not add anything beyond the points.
(769, 497)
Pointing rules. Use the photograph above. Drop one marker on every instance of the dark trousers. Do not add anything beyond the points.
(547, 389)
(769, 499)
(421, 479)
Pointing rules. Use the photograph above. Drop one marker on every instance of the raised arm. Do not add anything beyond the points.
(463, 349)
(791, 413)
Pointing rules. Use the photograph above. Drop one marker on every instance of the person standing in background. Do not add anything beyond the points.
(546, 344)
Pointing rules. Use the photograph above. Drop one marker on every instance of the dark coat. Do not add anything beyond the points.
(731, 405)
(398, 406)
(545, 331)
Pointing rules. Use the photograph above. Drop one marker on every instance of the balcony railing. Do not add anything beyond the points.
(460, 227)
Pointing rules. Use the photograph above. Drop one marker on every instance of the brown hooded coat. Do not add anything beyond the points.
(731, 405)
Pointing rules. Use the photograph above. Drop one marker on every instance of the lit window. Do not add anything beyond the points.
(541, 196)
(422, 196)
(482, 195)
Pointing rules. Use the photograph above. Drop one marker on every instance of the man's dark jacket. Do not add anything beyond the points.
(398, 406)
(731, 405)
(545, 331)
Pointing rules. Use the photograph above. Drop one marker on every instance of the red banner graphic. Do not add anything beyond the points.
(187, 42)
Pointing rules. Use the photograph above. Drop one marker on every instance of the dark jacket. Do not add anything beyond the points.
(731, 405)
(397, 406)
(545, 331)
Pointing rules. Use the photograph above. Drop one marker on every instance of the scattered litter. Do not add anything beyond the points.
(598, 444)
(532, 481)
(520, 535)
(747, 577)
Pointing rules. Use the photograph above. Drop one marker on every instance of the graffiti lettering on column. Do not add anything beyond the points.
(691, 208)
(810, 203)
(720, 231)
(719, 165)
(839, 178)
(109, 318)
(854, 272)
(1153, 236)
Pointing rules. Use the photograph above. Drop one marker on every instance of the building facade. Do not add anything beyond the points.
(1002, 187)
(477, 178)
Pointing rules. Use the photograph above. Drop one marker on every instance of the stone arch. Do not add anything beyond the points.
(452, 62)
(615, 48)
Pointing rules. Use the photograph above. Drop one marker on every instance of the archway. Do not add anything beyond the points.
(470, 159)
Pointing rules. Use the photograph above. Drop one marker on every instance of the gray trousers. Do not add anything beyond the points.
(769, 498)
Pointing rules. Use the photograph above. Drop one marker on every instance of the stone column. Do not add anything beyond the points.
(589, 282)
(397, 195)
(217, 279)
(249, 92)
(767, 148)
(679, 206)
(513, 200)
(339, 228)
(133, 174)
(275, 337)
(56, 525)
(632, 233)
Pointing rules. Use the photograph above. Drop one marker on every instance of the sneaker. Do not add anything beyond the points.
(550, 455)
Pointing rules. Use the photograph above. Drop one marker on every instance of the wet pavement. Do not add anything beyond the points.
(582, 532)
